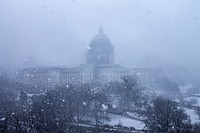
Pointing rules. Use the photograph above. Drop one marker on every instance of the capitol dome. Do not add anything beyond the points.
(100, 50)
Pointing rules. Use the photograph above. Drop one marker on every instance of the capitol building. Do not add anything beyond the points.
(99, 68)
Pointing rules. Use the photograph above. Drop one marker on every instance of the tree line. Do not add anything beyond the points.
(68, 108)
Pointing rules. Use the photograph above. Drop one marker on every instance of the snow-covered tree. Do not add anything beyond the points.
(164, 116)
(130, 92)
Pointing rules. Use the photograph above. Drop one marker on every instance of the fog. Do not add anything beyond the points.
(144, 33)
(59, 72)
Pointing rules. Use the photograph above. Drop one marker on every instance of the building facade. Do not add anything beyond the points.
(100, 68)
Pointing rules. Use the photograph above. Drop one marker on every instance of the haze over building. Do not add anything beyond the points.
(100, 50)
(99, 68)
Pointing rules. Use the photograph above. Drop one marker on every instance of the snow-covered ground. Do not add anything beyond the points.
(193, 116)
(134, 115)
(124, 121)
(195, 100)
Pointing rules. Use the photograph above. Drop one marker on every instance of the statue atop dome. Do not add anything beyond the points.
(101, 30)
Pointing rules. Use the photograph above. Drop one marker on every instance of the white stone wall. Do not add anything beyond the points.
(85, 74)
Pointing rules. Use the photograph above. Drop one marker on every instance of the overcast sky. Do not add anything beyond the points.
(143, 32)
